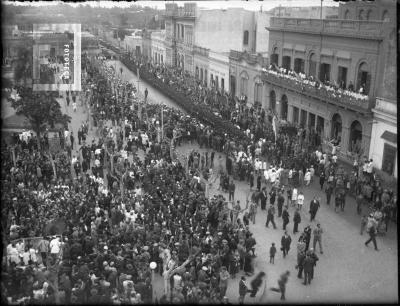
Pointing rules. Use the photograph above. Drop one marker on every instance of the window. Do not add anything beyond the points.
(342, 77)
(246, 38)
(286, 62)
(197, 72)
(243, 85)
(183, 31)
(385, 16)
(257, 92)
(216, 82)
(162, 59)
(389, 158)
(363, 78)
(201, 74)
(222, 84)
(299, 65)
(347, 14)
(211, 80)
(361, 15)
(325, 72)
(205, 77)
(312, 69)
(369, 14)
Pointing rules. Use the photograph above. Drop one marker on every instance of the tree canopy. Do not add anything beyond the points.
(40, 108)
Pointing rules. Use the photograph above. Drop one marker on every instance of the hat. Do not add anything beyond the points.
(105, 247)
(145, 248)
(204, 268)
(219, 233)
(105, 263)
(176, 243)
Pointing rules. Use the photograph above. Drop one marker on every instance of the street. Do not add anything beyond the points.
(347, 271)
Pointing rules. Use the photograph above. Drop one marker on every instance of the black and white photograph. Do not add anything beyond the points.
(199, 152)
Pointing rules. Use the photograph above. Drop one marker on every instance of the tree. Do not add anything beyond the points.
(23, 64)
(40, 108)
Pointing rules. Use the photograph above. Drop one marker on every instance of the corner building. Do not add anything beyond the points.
(343, 51)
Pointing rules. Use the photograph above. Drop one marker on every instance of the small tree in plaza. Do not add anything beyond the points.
(40, 108)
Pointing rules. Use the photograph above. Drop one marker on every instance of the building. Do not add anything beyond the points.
(158, 47)
(199, 40)
(146, 44)
(134, 43)
(310, 12)
(347, 52)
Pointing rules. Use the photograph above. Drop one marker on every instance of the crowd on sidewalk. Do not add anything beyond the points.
(117, 213)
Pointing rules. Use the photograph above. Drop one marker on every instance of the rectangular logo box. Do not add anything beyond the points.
(56, 57)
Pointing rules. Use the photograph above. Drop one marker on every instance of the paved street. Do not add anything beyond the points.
(348, 271)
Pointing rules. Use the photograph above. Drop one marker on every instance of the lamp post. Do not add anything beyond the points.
(153, 266)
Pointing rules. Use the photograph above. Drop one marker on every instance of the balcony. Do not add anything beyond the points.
(201, 51)
(250, 58)
(338, 27)
(323, 94)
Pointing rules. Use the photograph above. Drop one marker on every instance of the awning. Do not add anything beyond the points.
(287, 46)
(300, 48)
(389, 136)
(326, 52)
(343, 54)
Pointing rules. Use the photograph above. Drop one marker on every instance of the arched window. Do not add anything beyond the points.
(369, 15)
(197, 72)
(363, 78)
(257, 91)
(347, 14)
(246, 38)
(312, 66)
(355, 137)
(275, 56)
(201, 74)
(361, 15)
(385, 16)
(336, 127)
(205, 77)
(244, 77)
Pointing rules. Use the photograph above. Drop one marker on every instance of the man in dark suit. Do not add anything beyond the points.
(285, 244)
(285, 217)
(270, 216)
(308, 266)
(263, 198)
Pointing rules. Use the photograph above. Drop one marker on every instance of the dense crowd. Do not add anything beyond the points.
(114, 213)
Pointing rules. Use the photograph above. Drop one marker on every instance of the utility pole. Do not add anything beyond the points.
(162, 121)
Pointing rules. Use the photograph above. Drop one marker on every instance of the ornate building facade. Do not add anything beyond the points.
(345, 52)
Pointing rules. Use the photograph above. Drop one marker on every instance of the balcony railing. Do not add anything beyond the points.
(358, 28)
(322, 93)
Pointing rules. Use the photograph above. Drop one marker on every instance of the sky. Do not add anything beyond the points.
(253, 5)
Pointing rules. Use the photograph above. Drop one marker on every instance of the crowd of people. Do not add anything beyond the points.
(85, 225)
(331, 89)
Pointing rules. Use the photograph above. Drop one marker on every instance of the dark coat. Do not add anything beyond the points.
(242, 288)
(285, 216)
(308, 264)
(297, 217)
(285, 242)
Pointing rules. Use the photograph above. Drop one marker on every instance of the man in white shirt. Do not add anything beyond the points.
(55, 246)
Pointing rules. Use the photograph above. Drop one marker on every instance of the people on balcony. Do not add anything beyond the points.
(332, 89)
